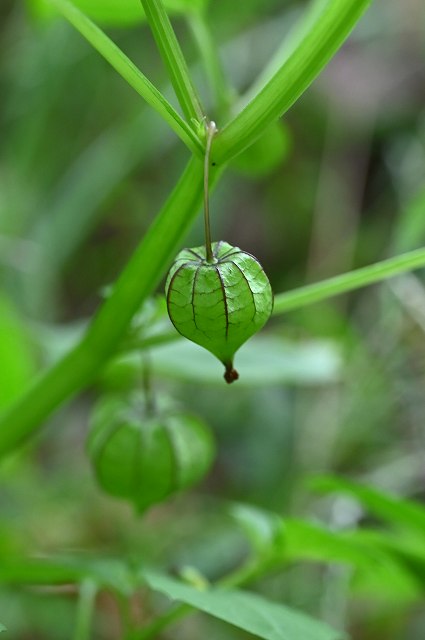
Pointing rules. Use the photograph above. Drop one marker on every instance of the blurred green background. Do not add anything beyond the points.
(337, 184)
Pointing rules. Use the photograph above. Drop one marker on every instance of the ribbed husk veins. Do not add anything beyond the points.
(146, 458)
(218, 304)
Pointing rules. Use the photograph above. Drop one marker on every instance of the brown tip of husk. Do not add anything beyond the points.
(230, 375)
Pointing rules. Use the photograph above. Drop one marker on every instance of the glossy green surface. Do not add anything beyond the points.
(218, 305)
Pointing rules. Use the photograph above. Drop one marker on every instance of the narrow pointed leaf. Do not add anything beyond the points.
(247, 611)
(398, 511)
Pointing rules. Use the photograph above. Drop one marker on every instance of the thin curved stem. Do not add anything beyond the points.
(346, 282)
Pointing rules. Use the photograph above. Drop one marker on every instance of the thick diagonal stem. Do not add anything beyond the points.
(141, 275)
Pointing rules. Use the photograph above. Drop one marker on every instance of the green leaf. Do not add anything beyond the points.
(292, 539)
(378, 565)
(16, 357)
(245, 610)
(389, 571)
(411, 557)
(379, 572)
(403, 513)
(311, 541)
(2, 627)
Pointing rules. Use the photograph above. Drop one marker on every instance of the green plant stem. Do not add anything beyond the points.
(312, 293)
(86, 603)
(128, 70)
(141, 275)
(346, 282)
(173, 58)
(211, 131)
(288, 45)
(326, 33)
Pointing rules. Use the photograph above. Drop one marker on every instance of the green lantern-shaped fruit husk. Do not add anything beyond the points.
(146, 458)
(221, 303)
